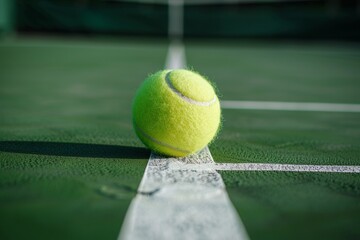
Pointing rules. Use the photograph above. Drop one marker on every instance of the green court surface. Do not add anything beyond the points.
(70, 162)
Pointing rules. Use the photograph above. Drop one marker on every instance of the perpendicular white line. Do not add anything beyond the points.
(291, 106)
(274, 167)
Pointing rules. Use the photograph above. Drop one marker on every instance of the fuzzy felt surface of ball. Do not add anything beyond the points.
(176, 112)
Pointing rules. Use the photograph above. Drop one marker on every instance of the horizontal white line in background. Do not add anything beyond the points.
(291, 106)
(273, 167)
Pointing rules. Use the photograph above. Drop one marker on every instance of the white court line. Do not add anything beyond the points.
(291, 106)
(176, 203)
(273, 167)
(175, 58)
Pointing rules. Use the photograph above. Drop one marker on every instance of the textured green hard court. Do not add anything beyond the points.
(70, 162)
(285, 205)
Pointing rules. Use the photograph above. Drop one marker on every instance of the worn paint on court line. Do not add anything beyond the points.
(273, 167)
(176, 203)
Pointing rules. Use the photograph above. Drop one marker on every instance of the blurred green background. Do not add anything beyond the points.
(317, 19)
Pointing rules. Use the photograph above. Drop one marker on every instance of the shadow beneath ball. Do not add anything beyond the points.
(65, 149)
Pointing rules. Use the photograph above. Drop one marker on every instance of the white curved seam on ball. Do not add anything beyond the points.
(159, 142)
(187, 99)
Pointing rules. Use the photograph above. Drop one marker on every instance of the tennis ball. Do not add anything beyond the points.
(176, 112)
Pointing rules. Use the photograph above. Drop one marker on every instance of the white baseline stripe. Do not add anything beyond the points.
(175, 58)
(176, 203)
(291, 106)
(274, 167)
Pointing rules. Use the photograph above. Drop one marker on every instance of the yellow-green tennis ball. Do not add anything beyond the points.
(176, 112)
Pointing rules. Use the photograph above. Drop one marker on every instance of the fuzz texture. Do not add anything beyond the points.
(176, 112)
